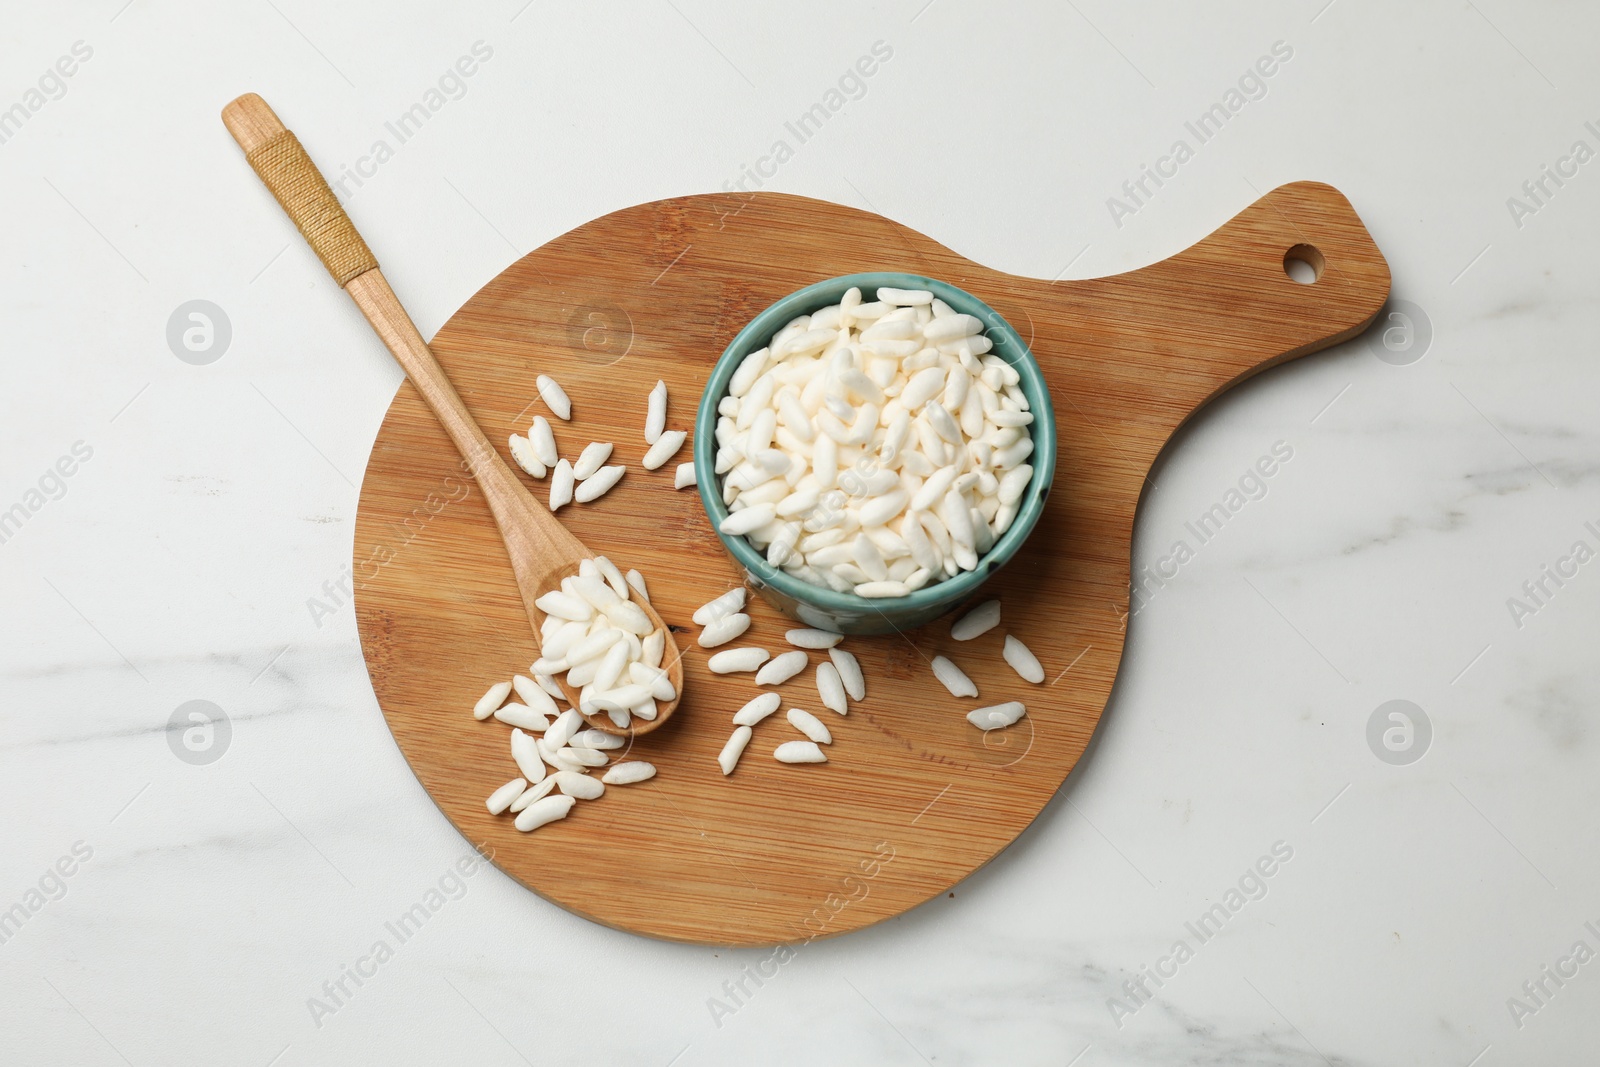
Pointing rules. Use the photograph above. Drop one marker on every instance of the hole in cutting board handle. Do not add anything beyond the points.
(1304, 263)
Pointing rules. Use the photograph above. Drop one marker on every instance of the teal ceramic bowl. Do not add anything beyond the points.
(847, 613)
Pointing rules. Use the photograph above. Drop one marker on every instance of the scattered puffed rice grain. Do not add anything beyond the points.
(544, 811)
(655, 419)
(830, 687)
(591, 459)
(665, 447)
(721, 631)
(543, 440)
(566, 726)
(492, 699)
(555, 757)
(554, 397)
(757, 709)
(980, 620)
(953, 677)
(533, 795)
(996, 716)
(523, 452)
(736, 660)
(548, 684)
(728, 758)
(781, 668)
(849, 669)
(598, 484)
(1022, 660)
(799, 752)
(525, 753)
(720, 607)
(636, 583)
(628, 773)
(535, 697)
(595, 739)
(810, 725)
(804, 638)
(515, 714)
(502, 798)
(684, 476)
(580, 786)
(561, 483)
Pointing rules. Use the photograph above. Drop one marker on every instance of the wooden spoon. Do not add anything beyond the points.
(542, 550)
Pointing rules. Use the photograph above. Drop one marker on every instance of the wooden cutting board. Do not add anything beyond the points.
(913, 798)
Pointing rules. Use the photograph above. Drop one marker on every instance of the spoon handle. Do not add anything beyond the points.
(276, 155)
(540, 546)
(537, 543)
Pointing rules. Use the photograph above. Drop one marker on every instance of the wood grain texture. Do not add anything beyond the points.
(913, 798)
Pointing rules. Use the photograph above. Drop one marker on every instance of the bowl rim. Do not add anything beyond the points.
(1008, 344)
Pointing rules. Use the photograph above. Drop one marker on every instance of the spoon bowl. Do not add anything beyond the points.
(671, 660)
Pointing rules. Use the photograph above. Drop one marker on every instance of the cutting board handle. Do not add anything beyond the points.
(1186, 328)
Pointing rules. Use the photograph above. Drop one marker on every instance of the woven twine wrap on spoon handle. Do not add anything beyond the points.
(282, 163)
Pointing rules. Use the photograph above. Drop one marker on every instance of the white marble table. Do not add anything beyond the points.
(208, 903)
